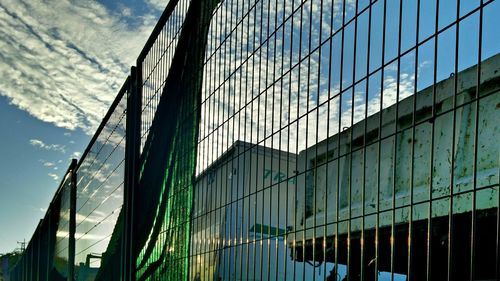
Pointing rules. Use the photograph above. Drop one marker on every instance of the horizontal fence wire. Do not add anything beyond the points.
(100, 178)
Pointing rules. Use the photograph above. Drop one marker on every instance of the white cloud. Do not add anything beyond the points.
(158, 4)
(50, 147)
(126, 12)
(75, 155)
(46, 163)
(64, 61)
(53, 176)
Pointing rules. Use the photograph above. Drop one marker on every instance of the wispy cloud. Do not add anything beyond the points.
(64, 61)
(52, 147)
(48, 164)
(157, 4)
(75, 155)
(53, 176)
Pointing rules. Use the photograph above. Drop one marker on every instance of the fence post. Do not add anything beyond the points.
(132, 152)
(72, 221)
(38, 251)
(48, 254)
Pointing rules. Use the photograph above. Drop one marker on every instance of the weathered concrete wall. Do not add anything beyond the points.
(341, 182)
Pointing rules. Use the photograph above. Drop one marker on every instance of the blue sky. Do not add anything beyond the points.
(62, 63)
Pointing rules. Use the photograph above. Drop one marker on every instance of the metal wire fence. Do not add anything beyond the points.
(383, 110)
(155, 61)
(296, 140)
(47, 255)
(100, 179)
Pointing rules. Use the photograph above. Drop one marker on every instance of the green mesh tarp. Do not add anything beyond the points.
(110, 264)
(164, 197)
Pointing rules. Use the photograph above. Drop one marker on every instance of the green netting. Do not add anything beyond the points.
(110, 265)
(164, 197)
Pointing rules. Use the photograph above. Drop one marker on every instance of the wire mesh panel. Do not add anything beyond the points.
(163, 201)
(156, 58)
(230, 209)
(100, 177)
(349, 140)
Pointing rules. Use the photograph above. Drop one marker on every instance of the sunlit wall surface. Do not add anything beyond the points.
(230, 211)
(390, 109)
(100, 177)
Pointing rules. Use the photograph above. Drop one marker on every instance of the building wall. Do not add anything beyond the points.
(346, 178)
(230, 210)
